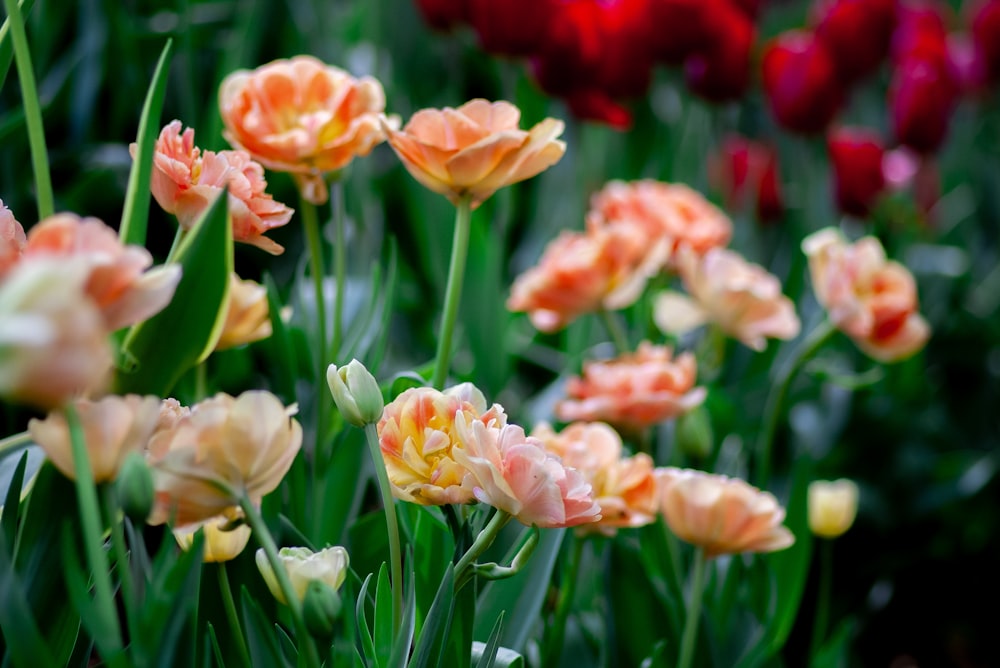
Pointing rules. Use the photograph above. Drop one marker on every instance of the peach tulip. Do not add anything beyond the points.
(112, 428)
(303, 116)
(635, 390)
(585, 272)
(473, 151)
(624, 487)
(117, 280)
(832, 506)
(247, 314)
(417, 436)
(513, 472)
(53, 340)
(871, 299)
(12, 239)
(721, 515)
(186, 180)
(223, 541)
(225, 449)
(739, 297)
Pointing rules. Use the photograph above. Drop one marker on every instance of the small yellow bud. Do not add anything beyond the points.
(356, 393)
(832, 507)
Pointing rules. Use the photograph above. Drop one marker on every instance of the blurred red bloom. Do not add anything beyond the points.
(444, 14)
(720, 70)
(857, 33)
(922, 97)
(920, 32)
(746, 172)
(985, 27)
(856, 155)
(680, 27)
(512, 27)
(801, 83)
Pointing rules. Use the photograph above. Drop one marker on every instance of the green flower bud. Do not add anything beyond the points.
(135, 487)
(321, 609)
(356, 393)
(694, 433)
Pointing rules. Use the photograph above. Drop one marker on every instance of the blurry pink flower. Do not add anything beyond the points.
(605, 267)
(117, 281)
(721, 515)
(112, 428)
(740, 297)
(513, 472)
(476, 149)
(635, 390)
(417, 435)
(247, 314)
(186, 181)
(302, 116)
(871, 299)
(670, 210)
(12, 239)
(624, 487)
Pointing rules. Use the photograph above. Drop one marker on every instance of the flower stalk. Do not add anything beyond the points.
(690, 634)
(453, 292)
(339, 263)
(567, 591)
(482, 542)
(392, 526)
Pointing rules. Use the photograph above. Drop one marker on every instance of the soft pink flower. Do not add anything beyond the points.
(624, 487)
(741, 298)
(247, 314)
(513, 472)
(186, 180)
(417, 435)
(605, 267)
(635, 390)
(871, 299)
(117, 280)
(12, 239)
(721, 515)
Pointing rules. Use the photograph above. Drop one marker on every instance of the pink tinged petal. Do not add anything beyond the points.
(675, 313)
(149, 294)
(471, 165)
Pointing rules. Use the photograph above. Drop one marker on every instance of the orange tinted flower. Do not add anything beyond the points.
(635, 390)
(513, 472)
(247, 315)
(304, 117)
(112, 428)
(624, 487)
(186, 180)
(475, 150)
(225, 448)
(417, 436)
(579, 273)
(117, 280)
(741, 298)
(871, 299)
(664, 209)
(721, 515)
(12, 239)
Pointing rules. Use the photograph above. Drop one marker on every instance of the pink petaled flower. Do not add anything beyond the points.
(514, 473)
(624, 487)
(605, 267)
(741, 298)
(117, 281)
(186, 181)
(721, 515)
(417, 435)
(670, 210)
(871, 299)
(12, 239)
(635, 390)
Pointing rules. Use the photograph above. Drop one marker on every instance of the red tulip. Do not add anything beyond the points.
(512, 27)
(920, 33)
(596, 105)
(922, 97)
(746, 172)
(444, 14)
(856, 155)
(678, 28)
(986, 35)
(720, 71)
(857, 33)
(800, 79)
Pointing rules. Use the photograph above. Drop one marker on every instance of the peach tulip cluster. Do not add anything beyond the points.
(64, 286)
(247, 314)
(447, 447)
(868, 297)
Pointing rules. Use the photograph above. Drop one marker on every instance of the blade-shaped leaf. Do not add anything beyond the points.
(25, 643)
(485, 654)
(367, 644)
(434, 633)
(261, 642)
(383, 617)
(12, 504)
(6, 45)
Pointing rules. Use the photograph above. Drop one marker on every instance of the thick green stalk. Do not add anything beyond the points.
(339, 263)
(615, 331)
(314, 240)
(234, 619)
(32, 111)
(694, 610)
(483, 541)
(823, 599)
(453, 292)
(392, 526)
(553, 647)
(14, 441)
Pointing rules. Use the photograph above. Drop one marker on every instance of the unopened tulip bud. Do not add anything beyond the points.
(800, 79)
(135, 487)
(304, 566)
(832, 507)
(356, 393)
(320, 609)
(694, 433)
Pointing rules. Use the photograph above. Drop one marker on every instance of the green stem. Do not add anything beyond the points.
(234, 620)
(483, 541)
(823, 599)
(32, 111)
(178, 238)
(615, 331)
(553, 648)
(201, 380)
(259, 528)
(108, 636)
(779, 389)
(694, 610)
(339, 263)
(389, 505)
(310, 222)
(111, 508)
(14, 441)
(453, 293)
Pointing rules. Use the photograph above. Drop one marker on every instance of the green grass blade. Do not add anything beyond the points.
(6, 48)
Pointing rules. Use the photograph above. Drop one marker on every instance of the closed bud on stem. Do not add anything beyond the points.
(320, 609)
(694, 433)
(356, 393)
(135, 487)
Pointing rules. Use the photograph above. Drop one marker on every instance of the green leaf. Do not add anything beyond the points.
(261, 641)
(183, 334)
(135, 214)
(404, 640)
(435, 630)
(25, 643)
(485, 654)
(12, 503)
(6, 45)
(367, 644)
(214, 642)
(404, 381)
(383, 617)
(284, 364)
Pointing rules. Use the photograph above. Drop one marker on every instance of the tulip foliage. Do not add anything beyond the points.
(491, 333)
